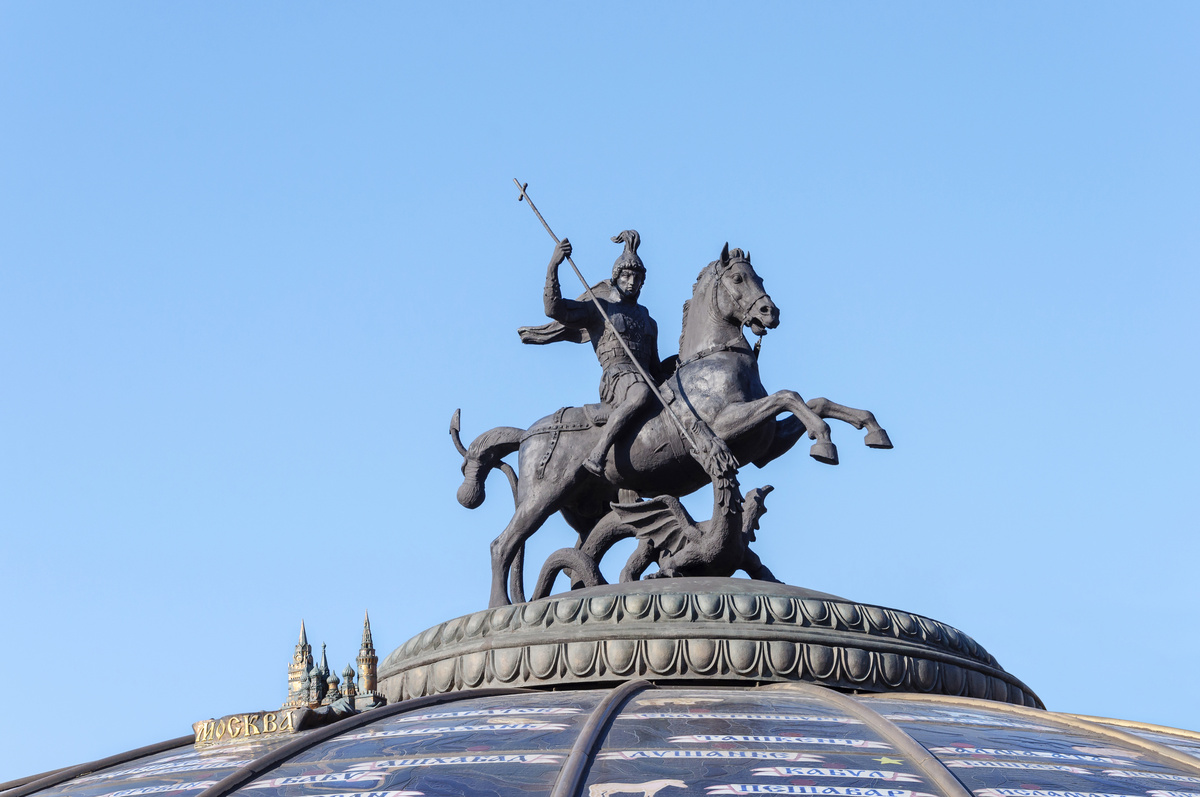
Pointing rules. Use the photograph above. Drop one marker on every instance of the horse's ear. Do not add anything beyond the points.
(725, 254)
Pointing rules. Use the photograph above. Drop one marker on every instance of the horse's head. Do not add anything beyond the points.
(738, 294)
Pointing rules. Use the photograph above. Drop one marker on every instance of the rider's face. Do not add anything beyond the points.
(629, 283)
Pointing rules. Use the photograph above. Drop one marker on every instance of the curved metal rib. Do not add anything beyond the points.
(282, 755)
(1166, 755)
(1149, 727)
(12, 784)
(934, 770)
(570, 778)
(46, 780)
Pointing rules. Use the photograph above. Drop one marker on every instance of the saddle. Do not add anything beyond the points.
(597, 414)
(578, 419)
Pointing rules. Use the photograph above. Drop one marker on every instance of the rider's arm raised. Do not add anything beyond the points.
(566, 311)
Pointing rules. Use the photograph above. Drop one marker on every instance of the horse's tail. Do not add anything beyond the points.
(484, 453)
(581, 567)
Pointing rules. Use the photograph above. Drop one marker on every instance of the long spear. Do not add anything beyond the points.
(608, 322)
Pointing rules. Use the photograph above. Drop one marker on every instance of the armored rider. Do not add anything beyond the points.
(622, 388)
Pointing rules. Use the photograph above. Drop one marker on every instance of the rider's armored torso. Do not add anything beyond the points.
(622, 333)
(634, 324)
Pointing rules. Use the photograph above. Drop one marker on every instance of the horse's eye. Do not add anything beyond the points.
(737, 277)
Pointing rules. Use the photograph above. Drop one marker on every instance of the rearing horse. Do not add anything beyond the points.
(716, 382)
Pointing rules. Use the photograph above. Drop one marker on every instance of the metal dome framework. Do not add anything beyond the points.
(639, 738)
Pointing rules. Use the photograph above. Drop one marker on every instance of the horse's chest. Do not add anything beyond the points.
(722, 379)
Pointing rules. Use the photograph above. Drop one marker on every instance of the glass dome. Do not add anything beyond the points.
(642, 739)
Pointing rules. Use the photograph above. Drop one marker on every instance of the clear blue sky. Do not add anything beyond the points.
(252, 256)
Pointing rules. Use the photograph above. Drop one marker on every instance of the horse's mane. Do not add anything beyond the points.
(704, 272)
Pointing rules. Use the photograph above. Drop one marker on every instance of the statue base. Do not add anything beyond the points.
(698, 630)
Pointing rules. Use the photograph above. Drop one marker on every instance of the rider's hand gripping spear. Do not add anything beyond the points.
(715, 455)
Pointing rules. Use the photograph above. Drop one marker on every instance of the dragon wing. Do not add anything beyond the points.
(662, 520)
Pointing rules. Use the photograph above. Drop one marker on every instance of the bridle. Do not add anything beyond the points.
(737, 346)
(713, 307)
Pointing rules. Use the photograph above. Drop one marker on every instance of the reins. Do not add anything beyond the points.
(733, 347)
(714, 311)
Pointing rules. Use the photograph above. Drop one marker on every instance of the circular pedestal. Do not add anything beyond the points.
(698, 630)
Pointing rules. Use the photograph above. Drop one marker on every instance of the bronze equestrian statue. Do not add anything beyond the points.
(715, 389)
(623, 392)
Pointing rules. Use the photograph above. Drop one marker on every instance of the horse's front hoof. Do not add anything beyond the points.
(878, 439)
(824, 451)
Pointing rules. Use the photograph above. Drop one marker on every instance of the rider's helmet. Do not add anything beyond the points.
(628, 260)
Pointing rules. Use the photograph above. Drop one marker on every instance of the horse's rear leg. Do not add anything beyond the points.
(876, 436)
(525, 521)
(582, 524)
(642, 558)
(607, 533)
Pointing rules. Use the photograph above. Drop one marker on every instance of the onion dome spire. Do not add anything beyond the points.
(301, 662)
(367, 660)
(332, 692)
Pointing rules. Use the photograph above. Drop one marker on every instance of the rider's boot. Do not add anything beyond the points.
(595, 460)
(635, 400)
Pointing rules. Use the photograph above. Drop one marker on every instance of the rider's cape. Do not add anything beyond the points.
(556, 331)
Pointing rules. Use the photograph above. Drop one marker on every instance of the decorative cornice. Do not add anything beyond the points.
(698, 630)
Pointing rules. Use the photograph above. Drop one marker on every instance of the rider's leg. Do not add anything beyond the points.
(637, 397)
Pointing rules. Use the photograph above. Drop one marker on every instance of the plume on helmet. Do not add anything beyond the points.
(628, 259)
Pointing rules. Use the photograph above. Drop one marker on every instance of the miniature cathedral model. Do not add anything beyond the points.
(312, 685)
(367, 660)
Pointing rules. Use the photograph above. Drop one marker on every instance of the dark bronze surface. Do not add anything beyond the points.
(698, 630)
(658, 432)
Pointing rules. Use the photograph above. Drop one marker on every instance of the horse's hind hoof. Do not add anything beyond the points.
(878, 439)
(823, 451)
